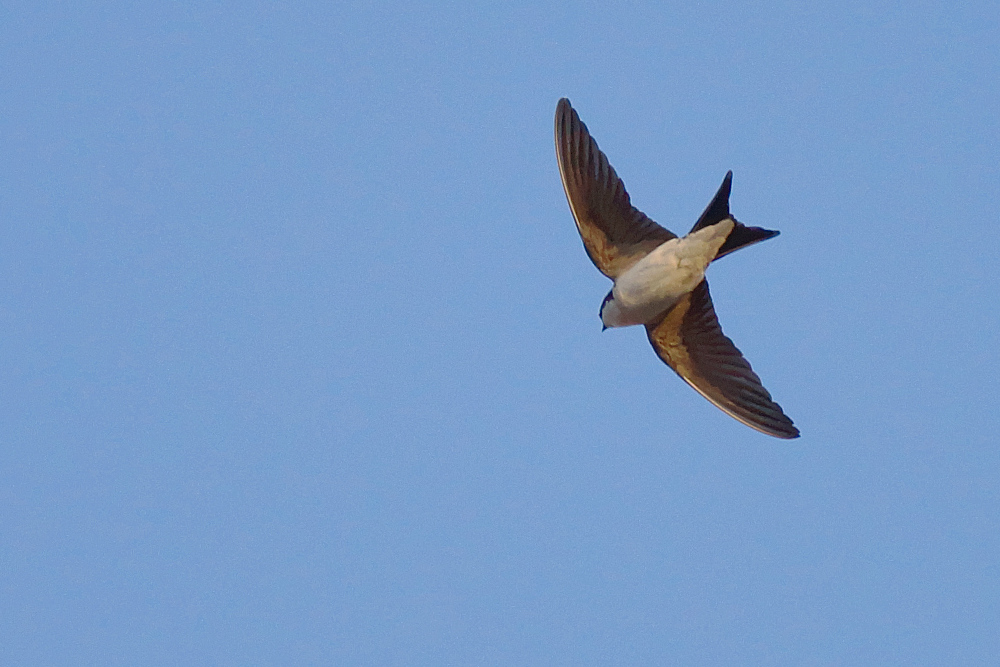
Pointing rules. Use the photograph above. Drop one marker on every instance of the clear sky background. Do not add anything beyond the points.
(301, 360)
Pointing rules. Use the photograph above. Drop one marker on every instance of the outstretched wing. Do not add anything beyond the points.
(690, 340)
(615, 233)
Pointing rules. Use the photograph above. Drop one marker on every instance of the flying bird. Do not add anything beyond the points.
(659, 279)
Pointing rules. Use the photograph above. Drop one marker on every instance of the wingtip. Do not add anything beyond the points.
(784, 430)
(565, 116)
(791, 435)
(776, 426)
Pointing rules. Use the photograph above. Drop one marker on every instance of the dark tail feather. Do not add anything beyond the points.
(718, 210)
(742, 236)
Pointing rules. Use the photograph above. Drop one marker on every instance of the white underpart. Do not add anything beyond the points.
(659, 279)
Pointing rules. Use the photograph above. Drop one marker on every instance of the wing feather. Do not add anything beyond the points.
(615, 233)
(690, 340)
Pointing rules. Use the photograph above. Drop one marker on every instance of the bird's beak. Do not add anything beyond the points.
(604, 327)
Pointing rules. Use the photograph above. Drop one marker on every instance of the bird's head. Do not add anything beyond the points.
(608, 311)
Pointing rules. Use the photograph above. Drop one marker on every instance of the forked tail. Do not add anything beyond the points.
(718, 210)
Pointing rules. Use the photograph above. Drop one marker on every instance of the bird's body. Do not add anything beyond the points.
(659, 279)
(656, 282)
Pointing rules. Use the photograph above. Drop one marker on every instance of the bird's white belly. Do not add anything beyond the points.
(673, 269)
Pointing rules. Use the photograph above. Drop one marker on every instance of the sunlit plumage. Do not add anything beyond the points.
(659, 278)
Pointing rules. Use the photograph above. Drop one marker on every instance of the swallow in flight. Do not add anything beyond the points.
(659, 279)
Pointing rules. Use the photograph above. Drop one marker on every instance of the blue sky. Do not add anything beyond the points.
(302, 360)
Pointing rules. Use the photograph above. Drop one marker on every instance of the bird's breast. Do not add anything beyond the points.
(674, 268)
